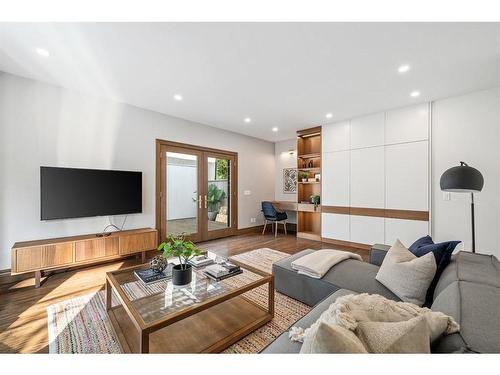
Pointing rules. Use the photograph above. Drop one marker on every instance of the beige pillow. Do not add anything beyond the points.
(331, 338)
(407, 275)
(411, 336)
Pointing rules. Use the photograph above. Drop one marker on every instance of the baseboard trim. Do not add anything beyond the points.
(290, 227)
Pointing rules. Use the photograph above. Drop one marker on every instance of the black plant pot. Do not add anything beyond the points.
(182, 276)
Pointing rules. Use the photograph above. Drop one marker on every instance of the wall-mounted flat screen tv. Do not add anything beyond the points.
(72, 192)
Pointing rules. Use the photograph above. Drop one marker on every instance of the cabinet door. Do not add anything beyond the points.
(335, 226)
(367, 185)
(407, 231)
(28, 258)
(407, 124)
(407, 176)
(57, 254)
(134, 243)
(367, 230)
(96, 248)
(336, 137)
(335, 178)
(368, 131)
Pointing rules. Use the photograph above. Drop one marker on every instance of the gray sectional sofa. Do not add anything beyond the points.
(468, 290)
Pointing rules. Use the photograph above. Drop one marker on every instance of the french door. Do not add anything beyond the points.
(196, 191)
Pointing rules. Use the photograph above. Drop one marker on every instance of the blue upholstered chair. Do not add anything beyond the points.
(274, 216)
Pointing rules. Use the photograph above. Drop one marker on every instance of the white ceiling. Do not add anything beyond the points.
(285, 75)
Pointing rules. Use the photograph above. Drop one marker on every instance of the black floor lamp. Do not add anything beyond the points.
(464, 179)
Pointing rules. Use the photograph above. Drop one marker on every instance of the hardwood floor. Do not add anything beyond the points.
(23, 317)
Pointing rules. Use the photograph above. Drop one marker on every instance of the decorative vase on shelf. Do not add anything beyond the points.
(310, 165)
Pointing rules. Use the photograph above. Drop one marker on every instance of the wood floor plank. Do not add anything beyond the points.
(23, 316)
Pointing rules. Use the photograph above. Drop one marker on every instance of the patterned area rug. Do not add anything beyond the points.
(81, 324)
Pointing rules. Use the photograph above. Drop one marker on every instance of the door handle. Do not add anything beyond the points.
(199, 201)
(205, 201)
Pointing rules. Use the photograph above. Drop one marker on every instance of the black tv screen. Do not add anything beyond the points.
(71, 192)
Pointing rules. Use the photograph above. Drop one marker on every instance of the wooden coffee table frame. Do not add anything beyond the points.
(143, 329)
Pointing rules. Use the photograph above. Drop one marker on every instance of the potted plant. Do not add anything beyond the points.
(215, 196)
(315, 200)
(303, 176)
(177, 246)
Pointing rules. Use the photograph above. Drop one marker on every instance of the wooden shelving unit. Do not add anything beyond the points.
(309, 161)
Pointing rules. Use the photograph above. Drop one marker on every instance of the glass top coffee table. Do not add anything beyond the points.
(202, 317)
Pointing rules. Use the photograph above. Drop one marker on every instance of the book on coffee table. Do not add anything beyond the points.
(222, 270)
(149, 276)
(200, 261)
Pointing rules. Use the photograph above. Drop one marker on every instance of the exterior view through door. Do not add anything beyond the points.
(196, 191)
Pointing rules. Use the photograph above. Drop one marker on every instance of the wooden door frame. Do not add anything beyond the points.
(196, 148)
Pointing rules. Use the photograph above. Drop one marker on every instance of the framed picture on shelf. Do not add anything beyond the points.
(289, 180)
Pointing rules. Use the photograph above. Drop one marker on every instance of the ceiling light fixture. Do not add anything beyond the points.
(275, 129)
(415, 94)
(329, 115)
(178, 97)
(42, 52)
(403, 68)
(247, 120)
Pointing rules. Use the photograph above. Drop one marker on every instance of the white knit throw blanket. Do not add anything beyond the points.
(318, 263)
(348, 310)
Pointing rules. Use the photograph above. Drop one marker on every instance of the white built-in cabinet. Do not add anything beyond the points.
(379, 161)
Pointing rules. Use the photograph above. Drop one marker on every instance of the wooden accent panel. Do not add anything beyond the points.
(361, 211)
(97, 248)
(335, 210)
(349, 244)
(316, 129)
(378, 212)
(57, 254)
(407, 215)
(137, 243)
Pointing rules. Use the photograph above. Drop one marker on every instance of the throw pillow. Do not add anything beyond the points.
(442, 252)
(411, 336)
(331, 338)
(406, 275)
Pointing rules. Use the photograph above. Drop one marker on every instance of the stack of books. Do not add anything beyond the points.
(149, 276)
(222, 271)
(200, 261)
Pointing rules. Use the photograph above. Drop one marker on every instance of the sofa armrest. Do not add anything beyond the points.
(377, 253)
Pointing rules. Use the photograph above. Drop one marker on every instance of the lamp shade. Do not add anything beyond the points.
(462, 179)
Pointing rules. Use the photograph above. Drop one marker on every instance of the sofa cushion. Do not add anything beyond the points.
(473, 306)
(466, 266)
(283, 344)
(406, 275)
(442, 253)
(332, 338)
(300, 287)
(358, 276)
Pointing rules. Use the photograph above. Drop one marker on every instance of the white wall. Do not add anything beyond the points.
(45, 125)
(467, 128)
(285, 160)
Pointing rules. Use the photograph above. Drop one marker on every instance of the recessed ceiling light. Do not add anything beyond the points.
(42, 52)
(275, 129)
(403, 68)
(247, 120)
(178, 97)
(415, 94)
(329, 115)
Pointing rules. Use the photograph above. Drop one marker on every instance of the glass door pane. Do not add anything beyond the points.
(218, 193)
(183, 201)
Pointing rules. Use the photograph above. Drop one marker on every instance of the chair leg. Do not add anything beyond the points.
(284, 227)
(276, 230)
(264, 230)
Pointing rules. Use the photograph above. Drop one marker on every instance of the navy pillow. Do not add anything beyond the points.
(442, 253)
